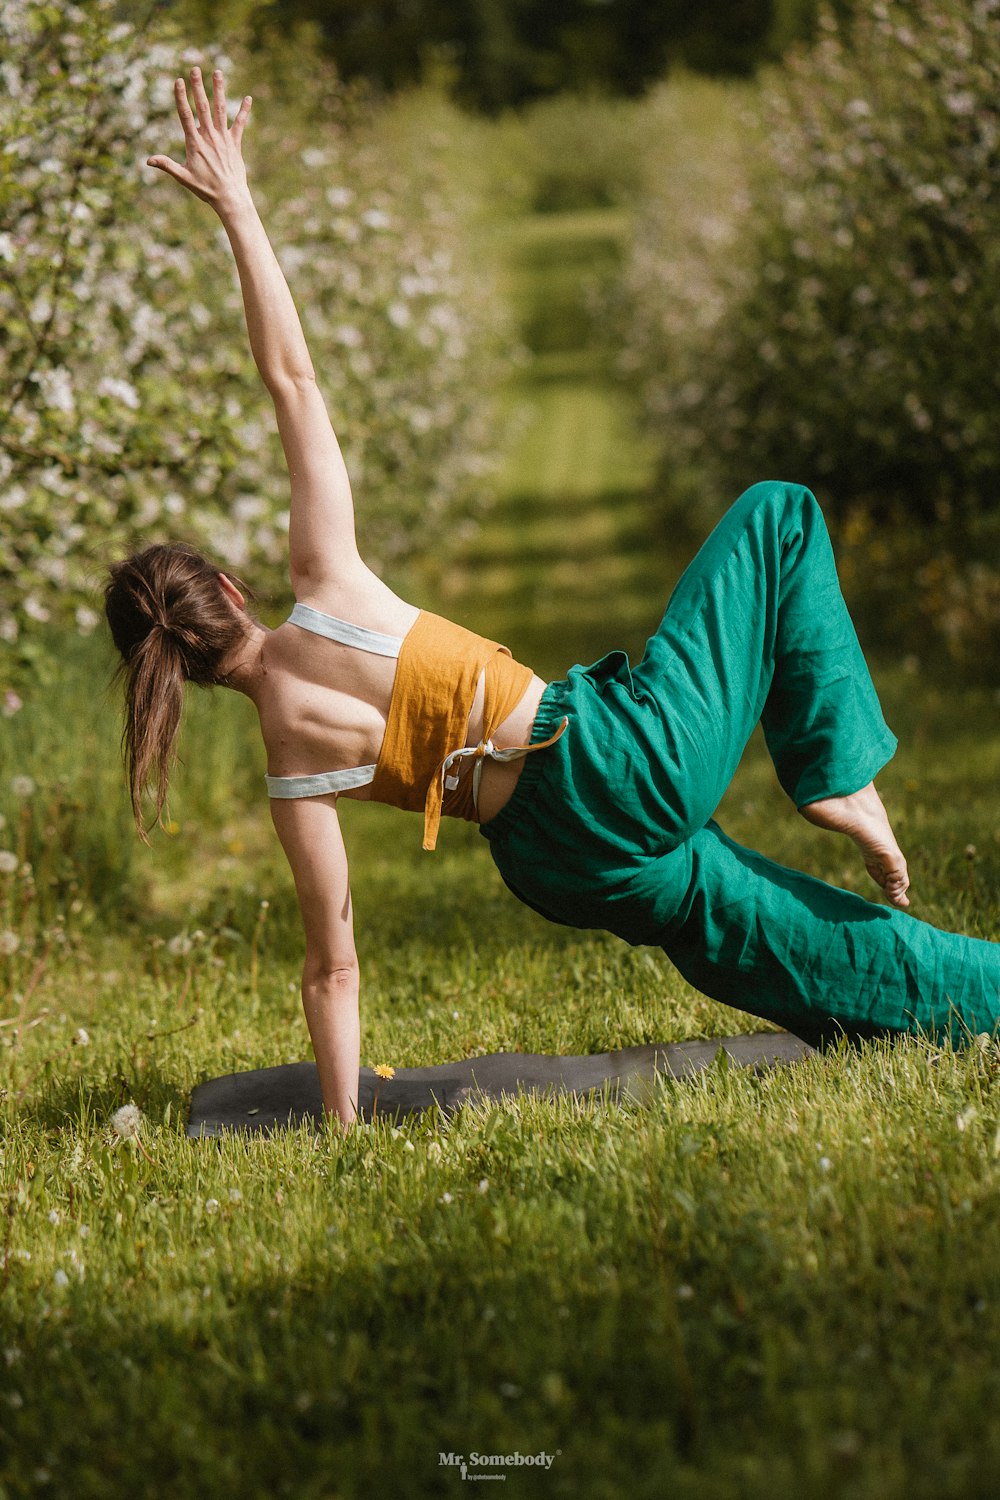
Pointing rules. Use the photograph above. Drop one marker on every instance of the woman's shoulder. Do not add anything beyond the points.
(359, 598)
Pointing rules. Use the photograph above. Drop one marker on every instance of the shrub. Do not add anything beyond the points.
(582, 151)
(131, 408)
(682, 274)
(833, 317)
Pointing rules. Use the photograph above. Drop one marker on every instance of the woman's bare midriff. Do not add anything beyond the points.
(498, 780)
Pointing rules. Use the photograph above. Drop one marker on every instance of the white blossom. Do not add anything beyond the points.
(56, 386)
(119, 390)
(36, 610)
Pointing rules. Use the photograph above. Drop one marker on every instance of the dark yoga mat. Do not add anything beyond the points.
(269, 1098)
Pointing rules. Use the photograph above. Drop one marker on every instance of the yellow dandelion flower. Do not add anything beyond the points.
(383, 1070)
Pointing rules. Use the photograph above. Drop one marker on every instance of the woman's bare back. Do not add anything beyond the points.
(323, 705)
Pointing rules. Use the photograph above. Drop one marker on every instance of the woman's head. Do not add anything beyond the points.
(174, 618)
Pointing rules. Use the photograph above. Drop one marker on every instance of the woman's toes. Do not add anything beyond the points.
(888, 870)
(895, 887)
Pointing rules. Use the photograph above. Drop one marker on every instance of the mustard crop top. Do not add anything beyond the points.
(438, 666)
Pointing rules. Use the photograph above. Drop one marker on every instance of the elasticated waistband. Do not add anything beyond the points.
(549, 716)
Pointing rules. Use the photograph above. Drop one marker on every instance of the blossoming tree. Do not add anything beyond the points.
(130, 408)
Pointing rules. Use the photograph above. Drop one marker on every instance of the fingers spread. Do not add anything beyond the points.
(219, 99)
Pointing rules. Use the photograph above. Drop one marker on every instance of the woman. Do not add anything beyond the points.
(596, 793)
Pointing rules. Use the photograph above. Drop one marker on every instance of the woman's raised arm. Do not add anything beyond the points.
(322, 545)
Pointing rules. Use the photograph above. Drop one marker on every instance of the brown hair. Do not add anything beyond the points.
(172, 623)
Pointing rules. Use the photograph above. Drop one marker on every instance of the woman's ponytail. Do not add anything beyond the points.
(154, 701)
(172, 624)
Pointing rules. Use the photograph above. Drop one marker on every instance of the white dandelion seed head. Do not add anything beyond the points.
(211, 1205)
(9, 942)
(81, 1037)
(22, 786)
(8, 862)
(125, 1122)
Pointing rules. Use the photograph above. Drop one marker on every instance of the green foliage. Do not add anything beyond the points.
(505, 53)
(131, 408)
(834, 315)
(579, 151)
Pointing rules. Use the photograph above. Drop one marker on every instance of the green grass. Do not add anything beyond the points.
(774, 1286)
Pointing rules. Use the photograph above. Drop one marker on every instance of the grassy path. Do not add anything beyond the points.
(561, 570)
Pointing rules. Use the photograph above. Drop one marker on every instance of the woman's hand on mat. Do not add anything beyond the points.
(862, 816)
(213, 168)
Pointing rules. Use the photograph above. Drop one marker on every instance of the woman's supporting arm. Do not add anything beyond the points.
(309, 830)
(322, 544)
(330, 1001)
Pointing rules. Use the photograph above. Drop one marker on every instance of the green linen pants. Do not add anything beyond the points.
(611, 827)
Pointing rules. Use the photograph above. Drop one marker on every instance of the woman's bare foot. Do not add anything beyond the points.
(863, 818)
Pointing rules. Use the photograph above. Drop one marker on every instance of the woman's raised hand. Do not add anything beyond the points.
(213, 167)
